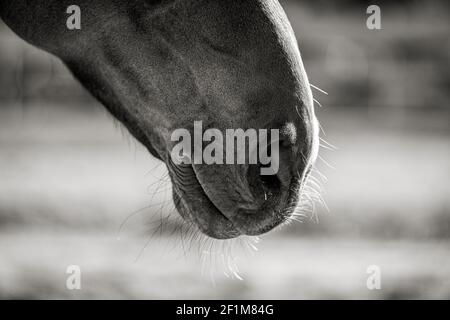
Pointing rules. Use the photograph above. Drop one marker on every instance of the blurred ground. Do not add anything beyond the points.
(64, 193)
(69, 178)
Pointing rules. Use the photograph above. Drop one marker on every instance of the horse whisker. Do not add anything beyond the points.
(318, 89)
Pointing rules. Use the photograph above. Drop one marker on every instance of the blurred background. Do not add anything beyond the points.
(75, 189)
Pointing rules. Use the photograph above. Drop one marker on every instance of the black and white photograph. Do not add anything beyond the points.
(224, 150)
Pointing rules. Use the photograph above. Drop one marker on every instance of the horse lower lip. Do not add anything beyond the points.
(254, 226)
(236, 227)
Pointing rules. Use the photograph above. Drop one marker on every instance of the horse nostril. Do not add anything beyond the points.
(262, 186)
(271, 185)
